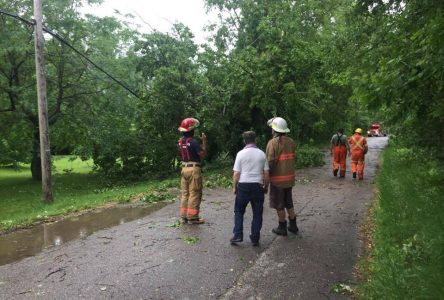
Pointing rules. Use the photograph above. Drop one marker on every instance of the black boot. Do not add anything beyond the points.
(281, 229)
(335, 172)
(354, 174)
(292, 227)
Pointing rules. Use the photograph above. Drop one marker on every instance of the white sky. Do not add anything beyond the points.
(160, 14)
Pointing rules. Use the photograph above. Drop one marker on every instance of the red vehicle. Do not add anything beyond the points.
(376, 130)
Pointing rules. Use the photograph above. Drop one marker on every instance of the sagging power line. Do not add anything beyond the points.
(63, 41)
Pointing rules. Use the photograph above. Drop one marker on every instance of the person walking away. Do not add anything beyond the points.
(339, 149)
(250, 183)
(280, 154)
(191, 153)
(359, 148)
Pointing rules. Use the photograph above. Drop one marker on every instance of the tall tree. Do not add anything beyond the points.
(173, 91)
(282, 53)
(71, 81)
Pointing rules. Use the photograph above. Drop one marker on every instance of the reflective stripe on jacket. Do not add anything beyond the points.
(281, 159)
(358, 143)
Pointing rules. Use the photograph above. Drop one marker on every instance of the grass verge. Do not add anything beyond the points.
(406, 260)
(76, 188)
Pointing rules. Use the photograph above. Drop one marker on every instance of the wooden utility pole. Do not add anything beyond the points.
(45, 151)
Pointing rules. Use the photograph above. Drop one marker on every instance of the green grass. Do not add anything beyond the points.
(408, 257)
(75, 188)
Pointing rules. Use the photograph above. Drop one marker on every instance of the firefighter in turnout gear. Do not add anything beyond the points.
(191, 153)
(281, 160)
(359, 148)
(339, 149)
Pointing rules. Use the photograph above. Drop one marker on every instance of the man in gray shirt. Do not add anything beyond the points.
(250, 183)
(339, 149)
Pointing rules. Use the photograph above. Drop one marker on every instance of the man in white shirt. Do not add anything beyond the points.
(250, 183)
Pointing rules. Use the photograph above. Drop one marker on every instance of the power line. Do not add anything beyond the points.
(63, 41)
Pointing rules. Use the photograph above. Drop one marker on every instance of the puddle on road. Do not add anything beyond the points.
(28, 242)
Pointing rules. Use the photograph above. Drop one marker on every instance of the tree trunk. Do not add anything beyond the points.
(36, 162)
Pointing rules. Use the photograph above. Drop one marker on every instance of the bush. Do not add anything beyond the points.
(309, 156)
(216, 180)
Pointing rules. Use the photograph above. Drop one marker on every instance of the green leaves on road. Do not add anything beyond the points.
(191, 240)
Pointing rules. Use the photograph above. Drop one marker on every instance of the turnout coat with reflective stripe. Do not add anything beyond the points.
(281, 159)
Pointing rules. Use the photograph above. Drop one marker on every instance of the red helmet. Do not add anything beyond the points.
(188, 124)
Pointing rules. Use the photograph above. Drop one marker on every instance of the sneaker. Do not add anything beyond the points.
(255, 243)
(196, 221)
(234, 240)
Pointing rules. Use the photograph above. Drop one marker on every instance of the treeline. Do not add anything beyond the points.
(319, 64)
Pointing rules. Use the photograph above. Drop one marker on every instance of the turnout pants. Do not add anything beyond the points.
(191, 194)
(339, 159)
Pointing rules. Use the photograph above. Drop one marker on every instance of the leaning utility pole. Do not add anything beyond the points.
(45, 151)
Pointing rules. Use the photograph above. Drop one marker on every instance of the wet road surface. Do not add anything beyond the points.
(28, 242)
(153, 258)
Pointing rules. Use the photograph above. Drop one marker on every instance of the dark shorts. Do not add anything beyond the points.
(280, 198)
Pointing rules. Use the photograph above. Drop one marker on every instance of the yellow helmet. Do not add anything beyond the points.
(358, 130)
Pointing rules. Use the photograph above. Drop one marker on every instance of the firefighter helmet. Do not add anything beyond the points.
(278, 124)
(188, 124)
(358, 130)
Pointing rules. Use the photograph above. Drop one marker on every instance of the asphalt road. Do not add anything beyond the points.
(150, 258)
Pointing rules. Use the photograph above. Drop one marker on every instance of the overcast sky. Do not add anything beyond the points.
(160, 14)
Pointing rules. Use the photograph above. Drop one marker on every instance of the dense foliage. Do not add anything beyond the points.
(396, 50)
(77, 94)
(272, 64)
(397, 53)
(319, 64)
